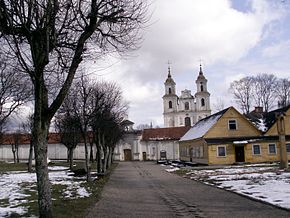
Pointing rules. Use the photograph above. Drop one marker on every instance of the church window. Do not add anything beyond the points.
(201, 87)
(186, 105)
(187, 121)
(170, 104)
(202, 102)
(169, 90)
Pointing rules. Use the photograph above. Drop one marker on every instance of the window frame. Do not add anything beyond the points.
(275, 146)
(202, 102)
(217, 151)
(288, 146)
(236, 124)
(170, 105)
(253, 150)
(186, 105)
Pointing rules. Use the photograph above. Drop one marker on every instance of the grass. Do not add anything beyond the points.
(62, 207)
(4, 166)
(181, 172)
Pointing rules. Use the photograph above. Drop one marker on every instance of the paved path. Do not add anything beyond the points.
(144, 189)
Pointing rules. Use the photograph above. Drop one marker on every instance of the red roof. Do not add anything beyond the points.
(161, 134)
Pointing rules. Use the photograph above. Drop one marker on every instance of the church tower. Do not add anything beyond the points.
(170, 101)
(202, 96)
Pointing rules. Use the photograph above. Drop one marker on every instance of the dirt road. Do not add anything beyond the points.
(144, 189)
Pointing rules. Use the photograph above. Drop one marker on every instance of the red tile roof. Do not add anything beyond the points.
(162, 134)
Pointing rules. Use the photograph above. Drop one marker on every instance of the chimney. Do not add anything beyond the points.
(258, 109)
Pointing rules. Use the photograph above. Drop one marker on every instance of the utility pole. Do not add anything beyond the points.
(282, 141)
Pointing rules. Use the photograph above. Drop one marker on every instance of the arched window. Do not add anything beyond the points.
(170, 104)
(201, 87)
(202, 102)
(187, 121)
(169, 90)
(186, 105)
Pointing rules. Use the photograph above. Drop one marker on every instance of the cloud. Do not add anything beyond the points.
(183, 32)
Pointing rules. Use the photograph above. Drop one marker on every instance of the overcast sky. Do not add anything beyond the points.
(232, 38)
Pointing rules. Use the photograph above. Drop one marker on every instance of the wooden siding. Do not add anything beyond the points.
(273, 130)
(221, 129)
(214, 159)
(188, 146)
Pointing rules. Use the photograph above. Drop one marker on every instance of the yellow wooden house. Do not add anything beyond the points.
(229, 137)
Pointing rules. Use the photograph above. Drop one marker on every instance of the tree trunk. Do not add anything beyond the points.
(13, 151)
(87, 157)
(17, 153)
(91, 153)
(99, 156)
(30, 157)
(104, 148)
(109, 157)
(112, 154)
(68, 157)
(71, 158)
(106, 153)
(40, 133)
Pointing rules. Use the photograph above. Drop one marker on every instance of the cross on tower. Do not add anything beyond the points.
(169, 67)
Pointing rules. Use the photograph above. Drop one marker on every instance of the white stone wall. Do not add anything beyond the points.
(55, 152)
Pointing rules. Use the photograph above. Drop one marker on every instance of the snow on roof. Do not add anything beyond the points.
(262, 125)
(240, 142)
(202, 127)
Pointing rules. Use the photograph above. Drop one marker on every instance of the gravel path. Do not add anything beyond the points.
(144, 189)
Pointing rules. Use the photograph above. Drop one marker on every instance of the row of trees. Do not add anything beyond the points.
(92, 113)
(46, 41)
(264, 90)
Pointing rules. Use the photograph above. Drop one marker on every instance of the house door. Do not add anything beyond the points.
(127, 155)
(144, 156)
(240, 154)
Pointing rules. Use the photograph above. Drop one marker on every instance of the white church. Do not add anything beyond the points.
(186, 109)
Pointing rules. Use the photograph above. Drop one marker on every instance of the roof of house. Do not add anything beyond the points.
(161, 134)
(264, 121)
(24, 138)
(202, 126)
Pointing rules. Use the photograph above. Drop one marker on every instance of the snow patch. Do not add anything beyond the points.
(201, 128)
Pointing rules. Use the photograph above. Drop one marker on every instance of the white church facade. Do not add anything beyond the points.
(186, 109)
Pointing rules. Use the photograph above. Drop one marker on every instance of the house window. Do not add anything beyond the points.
(186, 105)
(288, 147)
(170, 104)
(169, 90)
(256, 149)
(232, 124)
(272, 149)
(221, 151)
(202, 102)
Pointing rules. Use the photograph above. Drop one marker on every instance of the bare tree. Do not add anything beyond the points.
(219, 104)
(49, 40)
(110, 109)
(264, 90)
(68, 126)
(13, 92)
(27, 128)
(282, 92)
(242, 90)
(84, 110)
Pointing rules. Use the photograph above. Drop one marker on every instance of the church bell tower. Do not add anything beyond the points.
(169, 101)
(202, 96)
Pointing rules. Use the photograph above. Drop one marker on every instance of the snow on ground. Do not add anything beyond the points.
(265, 183)
(14, 185)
